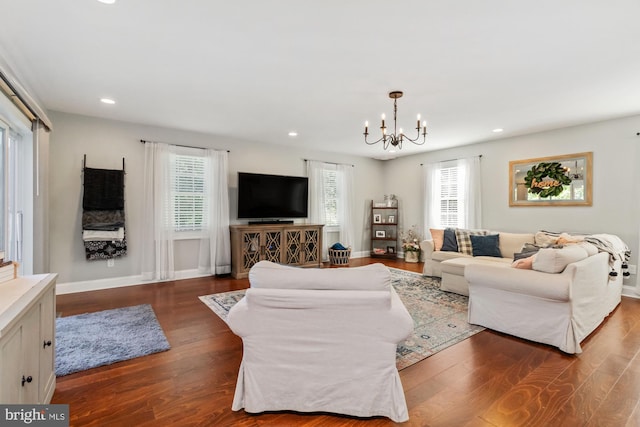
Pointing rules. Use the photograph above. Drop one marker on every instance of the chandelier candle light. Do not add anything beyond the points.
(397, 137)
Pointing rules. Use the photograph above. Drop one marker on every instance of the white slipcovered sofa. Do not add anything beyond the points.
(557, 296)
(559, 309)
(320, 340)
(509, 244)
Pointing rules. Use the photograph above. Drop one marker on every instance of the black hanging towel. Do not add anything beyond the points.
(103, 213)
(103, 190)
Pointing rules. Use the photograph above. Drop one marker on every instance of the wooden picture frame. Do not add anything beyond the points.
(565, 180)
(381, 234)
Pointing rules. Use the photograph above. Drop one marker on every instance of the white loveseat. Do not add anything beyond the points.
(320, 340)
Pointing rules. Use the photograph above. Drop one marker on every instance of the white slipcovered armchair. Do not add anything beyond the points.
(320, 340)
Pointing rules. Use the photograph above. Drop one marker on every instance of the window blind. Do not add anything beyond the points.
(449, 197)
(188, 193)
(330, 198)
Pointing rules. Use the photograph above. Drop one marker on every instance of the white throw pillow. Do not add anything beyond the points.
(373, 277)
(543, 239)
(510, 243)
(589, 247)
(550, 260)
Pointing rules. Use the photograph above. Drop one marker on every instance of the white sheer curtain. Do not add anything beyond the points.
(467, 193)
(470, 190)
(157, 229)
(315, 173)
(344, 181)
(215, 247)
(431, 195)
(317, 201)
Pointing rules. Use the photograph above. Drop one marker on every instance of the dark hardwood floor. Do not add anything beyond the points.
(490, 379)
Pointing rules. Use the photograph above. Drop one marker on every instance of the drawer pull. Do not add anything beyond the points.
(46, 344)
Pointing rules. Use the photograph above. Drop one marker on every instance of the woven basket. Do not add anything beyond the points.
(339, 256)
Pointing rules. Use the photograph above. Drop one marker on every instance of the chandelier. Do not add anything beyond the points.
(396, 138)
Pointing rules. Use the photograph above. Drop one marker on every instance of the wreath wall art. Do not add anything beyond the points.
(547, 179)
(551, 181)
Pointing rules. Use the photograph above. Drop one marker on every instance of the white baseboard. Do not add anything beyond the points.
(119, 282)
(361, 254)
(630, 291)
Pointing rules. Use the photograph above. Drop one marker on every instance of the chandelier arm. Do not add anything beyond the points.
(415, 140)
(374, 142)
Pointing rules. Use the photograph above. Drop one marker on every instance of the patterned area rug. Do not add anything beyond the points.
(440, 318)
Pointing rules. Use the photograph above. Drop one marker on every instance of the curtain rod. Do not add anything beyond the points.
(144, 141)
(450, 160)
(331, 163)
(22, 100)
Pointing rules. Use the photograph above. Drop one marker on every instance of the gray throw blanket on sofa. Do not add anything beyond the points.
(611, 244)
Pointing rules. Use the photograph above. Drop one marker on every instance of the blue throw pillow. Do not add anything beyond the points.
(449, 242)
(486, 245)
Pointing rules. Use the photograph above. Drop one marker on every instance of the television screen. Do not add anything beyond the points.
(272, 196)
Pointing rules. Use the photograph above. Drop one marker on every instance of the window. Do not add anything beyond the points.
(448, 196)
(452, 194)
(330, 198)
(188, 192)
(331, 201)
(16, 197)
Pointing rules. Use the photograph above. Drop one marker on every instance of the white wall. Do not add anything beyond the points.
(616, 181)
(106, 142)
(616, 195)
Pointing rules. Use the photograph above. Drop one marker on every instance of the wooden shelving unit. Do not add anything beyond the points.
(384, 231)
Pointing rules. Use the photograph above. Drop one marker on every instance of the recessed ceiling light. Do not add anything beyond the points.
(498, 130)
(293, 133)
(107, 101)
(107, 1)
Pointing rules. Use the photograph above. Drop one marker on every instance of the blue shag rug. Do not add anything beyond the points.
(90, 340)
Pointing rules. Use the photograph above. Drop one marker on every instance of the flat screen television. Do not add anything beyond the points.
(269, 197)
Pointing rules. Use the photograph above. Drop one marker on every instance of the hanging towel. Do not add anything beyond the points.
(95, 250)
(103, 235)
(103, 220)
(103, 189)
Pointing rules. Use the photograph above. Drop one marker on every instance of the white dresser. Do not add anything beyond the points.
(27, 339)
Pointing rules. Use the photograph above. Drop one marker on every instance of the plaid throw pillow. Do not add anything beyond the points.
(464, 239)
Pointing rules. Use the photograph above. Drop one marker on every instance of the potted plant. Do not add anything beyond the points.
(411, 245)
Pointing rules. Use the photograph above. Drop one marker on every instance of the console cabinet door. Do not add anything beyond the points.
(293, 247)
(46, 347)
(272, 244)
(19, 356)
(31, 355)
(11, 367)
(312, 245)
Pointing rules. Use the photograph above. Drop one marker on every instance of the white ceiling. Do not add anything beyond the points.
(256, 69)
